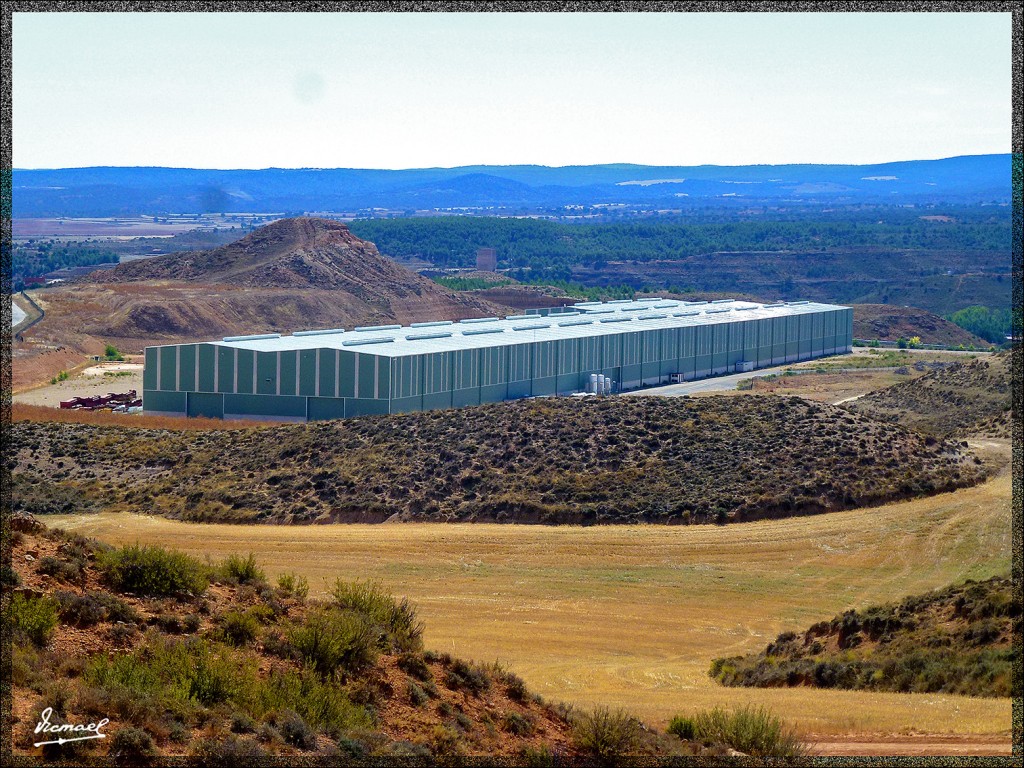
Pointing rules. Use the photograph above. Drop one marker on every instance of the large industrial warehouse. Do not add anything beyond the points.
(591, 347)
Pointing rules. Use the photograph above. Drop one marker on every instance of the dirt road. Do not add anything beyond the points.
(917, 745)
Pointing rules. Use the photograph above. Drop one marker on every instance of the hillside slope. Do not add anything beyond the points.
(214, 662)
(889, 323)
(956, 640)
(301, 252)
(969, 398)
(572, 460)
(291, 275)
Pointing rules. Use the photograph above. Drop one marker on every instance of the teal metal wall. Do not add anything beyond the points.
(223, 381)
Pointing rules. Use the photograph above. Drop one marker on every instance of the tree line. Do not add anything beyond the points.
(555, 246)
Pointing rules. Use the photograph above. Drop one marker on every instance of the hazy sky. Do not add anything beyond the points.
(389, 90)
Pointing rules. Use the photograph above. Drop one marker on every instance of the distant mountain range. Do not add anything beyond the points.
(113, 191)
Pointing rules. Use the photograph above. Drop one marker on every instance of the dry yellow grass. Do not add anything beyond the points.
(632, 616)
(822, 387)
(22, 411)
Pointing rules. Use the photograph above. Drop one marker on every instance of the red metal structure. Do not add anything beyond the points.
(101, 402)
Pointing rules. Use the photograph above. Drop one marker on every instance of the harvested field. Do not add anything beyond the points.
(633, 615)
(100, 227)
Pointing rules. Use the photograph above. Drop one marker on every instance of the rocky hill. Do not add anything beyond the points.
(887, 322)
(291, 275)
(966, 399)
(957, 640)
(568, 460)
(289, 253)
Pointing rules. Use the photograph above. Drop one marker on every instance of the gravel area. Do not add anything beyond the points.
(81, 385)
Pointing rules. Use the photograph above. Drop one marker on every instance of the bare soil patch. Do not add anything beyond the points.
(924, 745)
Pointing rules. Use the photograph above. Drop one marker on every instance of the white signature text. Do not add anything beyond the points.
(88, 731)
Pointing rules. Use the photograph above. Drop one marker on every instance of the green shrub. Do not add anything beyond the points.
(538, 757)
(33, 618)
(88, 609)
(515, 687)
(323, 705)
(243, 570)
(396, 619)
(112, 353)
(62, 570)
(238, 627)
(472, 677)
(132, 746)
(415, 665)
(519, 725)
(291, 585)
(189, 671)
(216, 676)
(352, 749)
(417, 696)
(606, 734)
(242, 723)
(229, 751)
(152, 570)
(294, 730)
(683, 727)
(330, 640)
(752, 730)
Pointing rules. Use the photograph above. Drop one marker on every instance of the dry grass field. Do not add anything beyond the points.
(822, 387)
(632, 615)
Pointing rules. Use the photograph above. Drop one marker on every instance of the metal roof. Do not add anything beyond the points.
(586, 319)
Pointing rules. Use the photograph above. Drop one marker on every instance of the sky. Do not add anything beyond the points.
(407, 90)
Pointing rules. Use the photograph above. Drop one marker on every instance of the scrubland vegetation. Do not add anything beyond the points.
(607, 460)
(956, 640)
(210, 662)
(967, 398)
